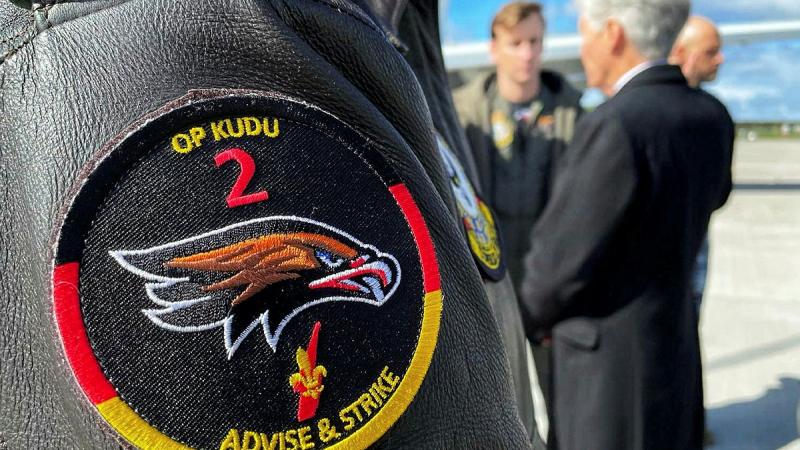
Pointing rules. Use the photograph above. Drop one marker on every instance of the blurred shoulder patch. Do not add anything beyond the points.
(503, 129)
(476, 217)
(239, 270)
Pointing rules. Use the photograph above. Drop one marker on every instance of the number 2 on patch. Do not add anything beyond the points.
(248, 168)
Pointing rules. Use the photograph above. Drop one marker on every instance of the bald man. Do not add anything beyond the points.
(698, 50)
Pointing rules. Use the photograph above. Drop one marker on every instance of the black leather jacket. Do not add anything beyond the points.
(416, 24)
(76, 75)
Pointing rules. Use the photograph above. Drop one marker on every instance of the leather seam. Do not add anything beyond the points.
(46, 11)
(14, 50)
(47, 8)
(30, 28)
(354, 16)
(49, 24)
(12, 38)
(30, 38)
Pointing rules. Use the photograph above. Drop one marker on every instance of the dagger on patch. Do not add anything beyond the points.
(308, 380)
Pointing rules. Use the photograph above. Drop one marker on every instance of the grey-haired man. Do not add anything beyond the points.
(612, 255)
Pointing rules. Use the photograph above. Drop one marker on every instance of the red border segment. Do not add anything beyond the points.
(128, 423)
(430, 268)
(73, 335)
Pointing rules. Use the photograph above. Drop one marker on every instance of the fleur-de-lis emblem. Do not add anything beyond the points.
(308, 380)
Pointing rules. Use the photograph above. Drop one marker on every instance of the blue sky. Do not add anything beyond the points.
(759, 81)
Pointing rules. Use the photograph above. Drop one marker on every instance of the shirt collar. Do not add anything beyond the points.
(636, 70)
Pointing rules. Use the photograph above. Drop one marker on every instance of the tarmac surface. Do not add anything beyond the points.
(750, 318)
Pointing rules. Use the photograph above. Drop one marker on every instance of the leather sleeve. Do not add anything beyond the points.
(76, 74)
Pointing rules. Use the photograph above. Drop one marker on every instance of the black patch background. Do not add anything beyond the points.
(145, 194)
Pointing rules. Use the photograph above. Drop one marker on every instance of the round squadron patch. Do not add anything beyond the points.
(242, 271)
(477, 218)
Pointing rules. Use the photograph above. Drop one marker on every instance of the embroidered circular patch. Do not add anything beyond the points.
(242, 271)
(477, 218)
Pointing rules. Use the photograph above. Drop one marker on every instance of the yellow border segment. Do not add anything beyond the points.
(487, 252)
(141, 434)
(134, 428)
(388, 415)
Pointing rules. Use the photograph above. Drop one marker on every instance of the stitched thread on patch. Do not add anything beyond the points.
(186, 279)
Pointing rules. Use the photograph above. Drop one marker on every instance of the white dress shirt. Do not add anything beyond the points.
(636, 70)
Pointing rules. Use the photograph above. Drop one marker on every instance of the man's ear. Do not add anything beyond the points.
(615, 36)
(493, 50)
(678, 55)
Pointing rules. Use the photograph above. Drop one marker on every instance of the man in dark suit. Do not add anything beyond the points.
(698, 52)
(611, 258)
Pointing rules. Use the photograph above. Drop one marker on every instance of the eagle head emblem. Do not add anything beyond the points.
(261, 272)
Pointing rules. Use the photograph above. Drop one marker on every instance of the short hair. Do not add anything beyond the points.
(651, 25)
(513, 13)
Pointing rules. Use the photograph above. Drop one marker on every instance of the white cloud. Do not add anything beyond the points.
(743, 93)
(739, 6)
(758, 82)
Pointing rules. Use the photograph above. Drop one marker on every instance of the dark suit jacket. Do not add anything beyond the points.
(610, 265)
